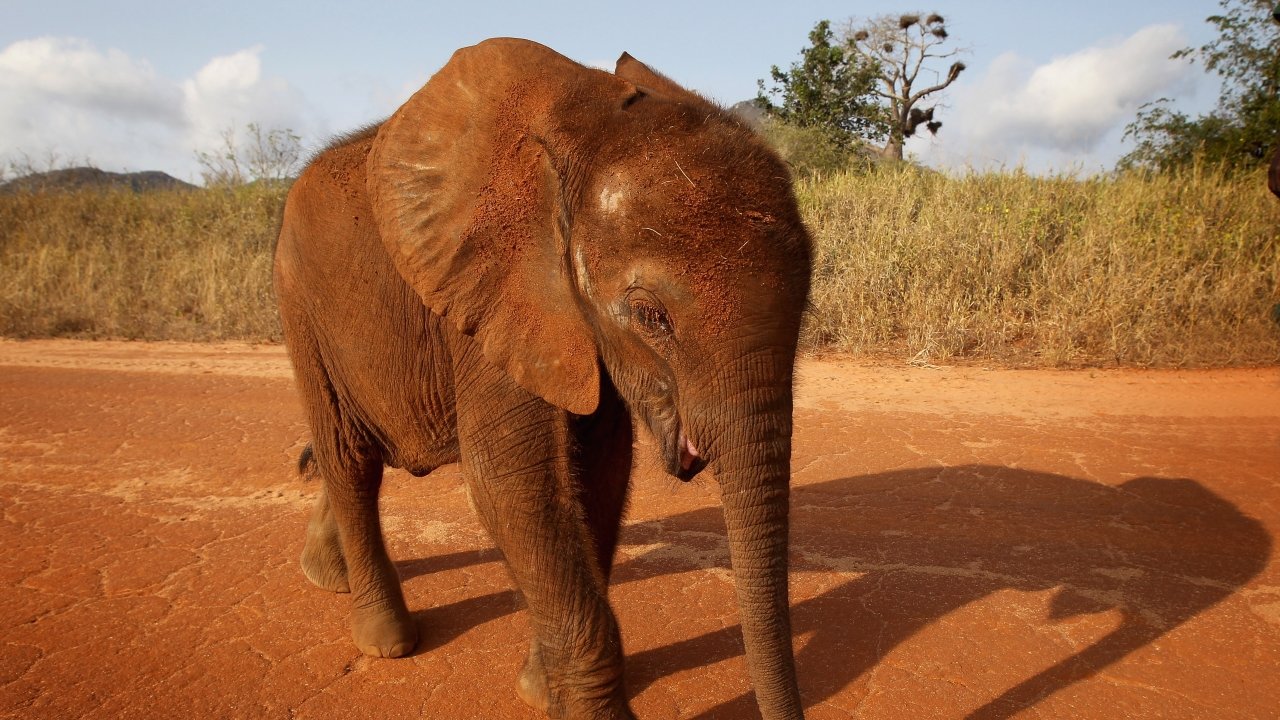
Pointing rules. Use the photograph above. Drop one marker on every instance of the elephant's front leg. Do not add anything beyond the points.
(602, 453)
(380, 622)
(518, 461)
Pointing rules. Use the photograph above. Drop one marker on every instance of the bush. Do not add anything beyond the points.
(811, 152)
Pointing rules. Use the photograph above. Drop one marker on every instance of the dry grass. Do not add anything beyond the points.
(1137, 271)
(174, 265)
(1006, 268)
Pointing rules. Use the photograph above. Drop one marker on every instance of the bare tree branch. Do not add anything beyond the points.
(903, 47)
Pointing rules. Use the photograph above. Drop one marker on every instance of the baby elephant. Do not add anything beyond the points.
(529, 260)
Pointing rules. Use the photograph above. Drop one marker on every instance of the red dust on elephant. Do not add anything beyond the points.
(528, 263)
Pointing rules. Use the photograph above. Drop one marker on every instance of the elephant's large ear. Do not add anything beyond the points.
(469, 204)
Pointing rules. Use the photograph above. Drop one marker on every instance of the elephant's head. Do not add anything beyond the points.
(577, 222)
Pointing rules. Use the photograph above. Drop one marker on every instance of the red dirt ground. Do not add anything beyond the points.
(966, 543)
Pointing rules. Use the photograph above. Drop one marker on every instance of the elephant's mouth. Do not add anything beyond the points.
(683, 459)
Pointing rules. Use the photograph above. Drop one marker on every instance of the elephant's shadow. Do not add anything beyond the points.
(922, 543)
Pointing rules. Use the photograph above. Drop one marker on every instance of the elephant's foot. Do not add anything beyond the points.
(532, 684)
(532, 688)
(323, 563)
(383, 631)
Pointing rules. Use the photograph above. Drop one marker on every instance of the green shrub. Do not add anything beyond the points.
(811, 152)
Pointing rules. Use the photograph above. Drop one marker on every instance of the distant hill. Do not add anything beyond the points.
(86, 177)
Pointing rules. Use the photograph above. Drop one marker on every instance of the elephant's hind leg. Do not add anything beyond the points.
(322, 559)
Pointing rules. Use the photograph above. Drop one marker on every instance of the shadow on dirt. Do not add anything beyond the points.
(439, 625)
(921, 543)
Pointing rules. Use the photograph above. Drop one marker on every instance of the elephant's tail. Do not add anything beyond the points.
(307, 463)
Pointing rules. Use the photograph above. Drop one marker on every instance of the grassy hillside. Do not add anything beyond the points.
(1170, 270)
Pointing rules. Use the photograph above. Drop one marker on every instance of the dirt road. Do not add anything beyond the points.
(966, 542)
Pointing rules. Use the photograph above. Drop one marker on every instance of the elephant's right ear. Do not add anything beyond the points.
(631, 69)
(470, 207)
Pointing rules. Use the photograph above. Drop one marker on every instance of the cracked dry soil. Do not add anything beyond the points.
(966, 543)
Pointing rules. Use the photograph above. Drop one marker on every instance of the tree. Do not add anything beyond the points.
(270, 155)
(829, 89)
(900, 48)
(1242, 130)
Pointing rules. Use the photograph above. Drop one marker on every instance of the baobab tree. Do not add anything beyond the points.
(903, 48)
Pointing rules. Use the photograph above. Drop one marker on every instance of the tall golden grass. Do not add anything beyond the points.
(1166, 270)
(177, 265)
(1154, 270)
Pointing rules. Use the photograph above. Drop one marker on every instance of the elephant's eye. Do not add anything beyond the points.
(650, 316)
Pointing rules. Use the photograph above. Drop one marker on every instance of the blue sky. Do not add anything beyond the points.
(143, 85)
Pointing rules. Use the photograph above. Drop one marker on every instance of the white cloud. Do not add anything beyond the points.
(64, 96)
(230, 91)
(1070, 111)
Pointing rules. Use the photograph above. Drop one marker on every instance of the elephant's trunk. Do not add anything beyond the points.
(753, 465)
(755, 507)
